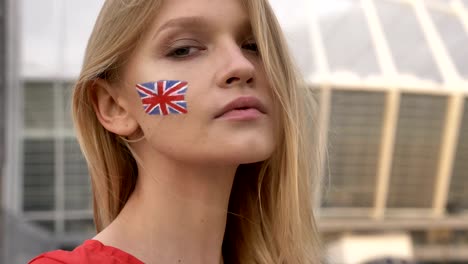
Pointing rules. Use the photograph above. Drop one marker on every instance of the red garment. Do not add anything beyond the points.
(91, 251)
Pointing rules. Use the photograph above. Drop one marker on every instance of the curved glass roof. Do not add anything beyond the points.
(416, 42)
(425, 40)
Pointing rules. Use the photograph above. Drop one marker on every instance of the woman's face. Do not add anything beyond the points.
(230, 115)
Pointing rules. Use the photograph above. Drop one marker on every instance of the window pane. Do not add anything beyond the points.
(77, 182)
(294, 17)
(417, 150)
(458, 195)
(40, 25)
(454, 37)
(300, 44)
(85, 226)
(48, 225)
(407, 42)
(79, 20)
(355, 132)
(67, 104)
(347, 39)
(39, 106)
(39, 177)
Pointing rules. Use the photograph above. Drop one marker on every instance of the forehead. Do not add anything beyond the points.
(212, 12)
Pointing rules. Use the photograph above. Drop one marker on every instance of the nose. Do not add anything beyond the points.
(235, 68)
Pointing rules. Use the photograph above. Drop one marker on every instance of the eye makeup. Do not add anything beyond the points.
(183, 48)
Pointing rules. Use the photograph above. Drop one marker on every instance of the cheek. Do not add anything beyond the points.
(164, 134)
(169, 106)
(169, 127)
(178, 138)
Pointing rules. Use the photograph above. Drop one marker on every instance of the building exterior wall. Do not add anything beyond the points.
(2, 90)
(19, 239)
(2, 117)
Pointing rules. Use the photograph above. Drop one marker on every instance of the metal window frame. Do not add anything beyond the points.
(323, 69)
(12, 174)
(68, 215)
(454, 110)
(392, 105)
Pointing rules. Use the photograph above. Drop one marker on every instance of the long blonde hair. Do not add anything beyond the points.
(270, 216)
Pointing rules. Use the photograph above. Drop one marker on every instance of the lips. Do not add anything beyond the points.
(244, 103)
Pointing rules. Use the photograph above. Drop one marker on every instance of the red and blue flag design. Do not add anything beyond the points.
(163, 97)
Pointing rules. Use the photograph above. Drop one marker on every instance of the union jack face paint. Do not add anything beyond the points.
(163, 97)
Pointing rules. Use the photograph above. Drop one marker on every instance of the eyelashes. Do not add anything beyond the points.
(251, 46)
(183, 52)
(185, 48)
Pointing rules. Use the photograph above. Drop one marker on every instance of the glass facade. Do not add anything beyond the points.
(458, 196)
(55, 191)
(417, 149)
(408, 44)
(348, 43)
(55, 178)
(354, 135)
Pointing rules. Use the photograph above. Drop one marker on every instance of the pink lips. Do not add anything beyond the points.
(242, 109)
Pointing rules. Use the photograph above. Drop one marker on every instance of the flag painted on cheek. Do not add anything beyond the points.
(163, 97)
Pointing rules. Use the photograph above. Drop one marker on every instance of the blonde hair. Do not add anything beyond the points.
(270, 216)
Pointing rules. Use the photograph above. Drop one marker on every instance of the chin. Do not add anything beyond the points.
(248, 148)
(250, 154)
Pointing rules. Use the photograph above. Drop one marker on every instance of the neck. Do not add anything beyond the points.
(176, 214)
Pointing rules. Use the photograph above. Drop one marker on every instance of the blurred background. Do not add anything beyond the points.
(391, 79)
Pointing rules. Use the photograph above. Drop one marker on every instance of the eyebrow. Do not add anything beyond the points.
(183, 22)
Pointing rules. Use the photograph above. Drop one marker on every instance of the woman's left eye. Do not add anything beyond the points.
(251, 46)
(182, 52)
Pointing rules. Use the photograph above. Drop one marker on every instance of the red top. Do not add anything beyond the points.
(91, 251)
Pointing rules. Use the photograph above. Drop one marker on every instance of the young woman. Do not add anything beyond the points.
(199, 136)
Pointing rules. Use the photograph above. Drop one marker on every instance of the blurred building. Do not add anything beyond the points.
(2, 101)
(19, 238)
(46, 201)
(390, 76)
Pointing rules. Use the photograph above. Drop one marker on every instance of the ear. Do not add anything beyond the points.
(111, 109)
